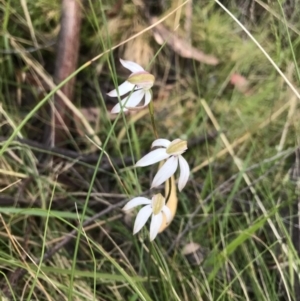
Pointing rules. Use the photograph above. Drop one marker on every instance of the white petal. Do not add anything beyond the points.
(153, 157)
(133, 67)
(148, 97)
(156, 222)
(142, 218)
(147, 100)
(184, 173)
(117, 109)
(161, 142)
(136, 202)
(123, 89)
(134, 99)
(166, 210)
(166, 171)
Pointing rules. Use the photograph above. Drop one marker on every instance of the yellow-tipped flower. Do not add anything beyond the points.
(139, 84)
(172, 151)
(156, 206)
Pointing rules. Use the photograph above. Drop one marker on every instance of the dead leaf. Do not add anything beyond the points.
(240, 83)
(193, 253)
(179, 45)
(189, 248)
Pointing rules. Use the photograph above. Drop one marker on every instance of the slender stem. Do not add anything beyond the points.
(151, 111)
(148, 263)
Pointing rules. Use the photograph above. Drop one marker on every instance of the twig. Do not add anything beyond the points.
(29, 49)
(66, 64)
(188, 20)
(93, 158)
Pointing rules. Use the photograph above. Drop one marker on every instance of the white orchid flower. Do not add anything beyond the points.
(172, 152)
(139, 84)
(156, 206)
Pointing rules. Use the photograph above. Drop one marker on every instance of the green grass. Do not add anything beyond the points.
(240, 204)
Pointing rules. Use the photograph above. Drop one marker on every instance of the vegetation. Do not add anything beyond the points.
(236, 232)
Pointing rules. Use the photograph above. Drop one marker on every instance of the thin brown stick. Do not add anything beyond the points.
(93, 158)
(66, 64)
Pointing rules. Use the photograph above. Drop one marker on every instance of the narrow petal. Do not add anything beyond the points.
(166, 210)
(134, 99)
(123, 89)
(184, 173)
(142, 218)
(147, 100)
(148, 97)
(136, 202)
(161, 142)
(133, 67)
(166, 171)
(117, 109)
(156, 222)
(153, 157)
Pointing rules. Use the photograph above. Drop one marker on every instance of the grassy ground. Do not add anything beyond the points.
(239, 210)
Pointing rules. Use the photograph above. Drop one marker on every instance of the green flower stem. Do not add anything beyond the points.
(151, 111)
(148, 263)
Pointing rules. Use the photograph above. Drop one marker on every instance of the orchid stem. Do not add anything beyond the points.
(148, 263)
(151, 111)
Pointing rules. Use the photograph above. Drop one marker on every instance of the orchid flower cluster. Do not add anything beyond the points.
(139, 85)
